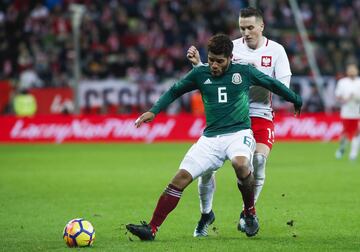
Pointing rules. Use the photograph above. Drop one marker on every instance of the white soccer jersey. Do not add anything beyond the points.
(349, 90)
(270, 59)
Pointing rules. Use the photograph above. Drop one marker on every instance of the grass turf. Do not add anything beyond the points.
(44, 186)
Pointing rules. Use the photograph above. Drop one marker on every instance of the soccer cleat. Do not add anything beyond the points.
(205, 221)
(241, 224)
(251, 225)
(143, 231)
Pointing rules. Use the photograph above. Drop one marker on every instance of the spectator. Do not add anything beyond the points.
(24, 103)
(122, 38)
(30, 79)
(157, 29)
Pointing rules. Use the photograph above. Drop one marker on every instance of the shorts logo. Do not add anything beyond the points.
(266, 61)
(236, 78)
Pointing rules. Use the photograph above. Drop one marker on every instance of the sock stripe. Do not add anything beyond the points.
(173, 192)
(166, 203)
(174, 187)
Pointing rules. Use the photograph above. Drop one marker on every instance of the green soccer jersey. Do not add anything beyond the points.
(225, 97)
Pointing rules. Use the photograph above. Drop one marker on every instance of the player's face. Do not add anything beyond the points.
(251, 29)
(218, 63)
(352, 71)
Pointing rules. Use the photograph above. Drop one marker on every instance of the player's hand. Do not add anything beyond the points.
(144, 118)
(298, 106)
(297, 111)
(193, 55)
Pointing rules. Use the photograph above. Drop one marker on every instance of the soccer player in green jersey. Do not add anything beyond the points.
(224, 86)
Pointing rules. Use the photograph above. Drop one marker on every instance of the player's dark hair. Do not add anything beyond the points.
(220, 44)
(251, 12)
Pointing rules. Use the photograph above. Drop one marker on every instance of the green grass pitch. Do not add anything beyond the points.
(44, 186)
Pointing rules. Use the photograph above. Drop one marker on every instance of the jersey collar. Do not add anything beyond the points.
(264, 44)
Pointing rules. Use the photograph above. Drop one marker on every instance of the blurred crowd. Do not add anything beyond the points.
(145, 41)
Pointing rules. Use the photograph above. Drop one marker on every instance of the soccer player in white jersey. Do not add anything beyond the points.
(348, 94)
(270, 58)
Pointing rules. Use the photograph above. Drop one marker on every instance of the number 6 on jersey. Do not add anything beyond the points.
(222, 95)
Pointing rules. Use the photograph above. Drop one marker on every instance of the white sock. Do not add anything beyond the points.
(259, 163)
(343, 143)
(354, 149)
(206, 186)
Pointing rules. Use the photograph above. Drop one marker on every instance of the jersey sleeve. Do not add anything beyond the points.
(282, 65)
(198, 64)
(285, 80)
(260, 79)
(184, 85)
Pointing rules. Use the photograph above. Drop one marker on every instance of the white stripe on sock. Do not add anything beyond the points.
(173, 192)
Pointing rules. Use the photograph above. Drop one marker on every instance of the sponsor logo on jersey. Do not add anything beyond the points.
(266, 61)
(236, 78)
(208, 81)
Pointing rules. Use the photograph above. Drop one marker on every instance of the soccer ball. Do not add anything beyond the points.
(79, 233)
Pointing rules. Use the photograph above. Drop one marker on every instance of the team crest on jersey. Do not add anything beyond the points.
(266, 61)
(236, 78)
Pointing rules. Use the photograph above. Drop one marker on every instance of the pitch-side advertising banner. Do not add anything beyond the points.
(53, 100)
(184, 127)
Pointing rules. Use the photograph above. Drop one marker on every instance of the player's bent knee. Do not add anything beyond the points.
(259, 163)
(241, 166)
(240, 163)
(182, 179)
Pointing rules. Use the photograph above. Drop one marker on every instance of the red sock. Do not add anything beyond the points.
(247, 191)
(166, 203)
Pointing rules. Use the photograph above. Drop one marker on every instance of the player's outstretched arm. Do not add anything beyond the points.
(144, 118)
(193, 55)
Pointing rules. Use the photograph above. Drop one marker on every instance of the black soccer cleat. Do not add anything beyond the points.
(241, 224)
(143, 231)
(251, 225)
(205, 221)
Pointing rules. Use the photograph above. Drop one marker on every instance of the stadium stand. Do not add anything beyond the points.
(146, 41)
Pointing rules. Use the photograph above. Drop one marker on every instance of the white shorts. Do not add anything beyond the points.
(208, 154)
